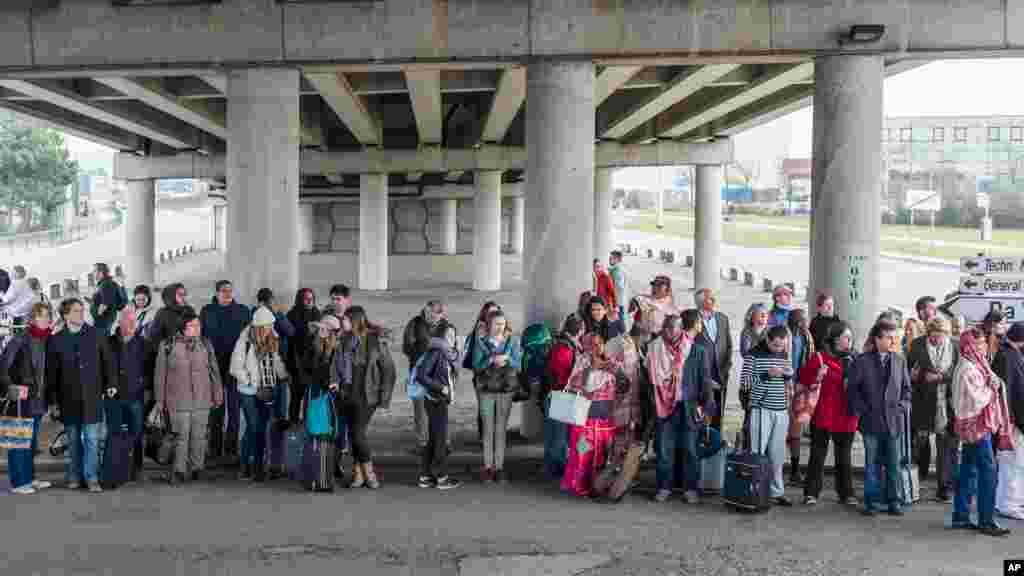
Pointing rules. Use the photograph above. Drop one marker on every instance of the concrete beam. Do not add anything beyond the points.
(683, 86)
(218, 81)
(93, 132)
(150, 93)
(611, 79)
(507, 101)
(770, 84)
(71, 101)
(454, 175)
(425, 94)
(337, 92)
(443, 192)
(431, 159)
(663, 153)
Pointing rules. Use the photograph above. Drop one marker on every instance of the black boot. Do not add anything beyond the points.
(794, 477)
(245, 473)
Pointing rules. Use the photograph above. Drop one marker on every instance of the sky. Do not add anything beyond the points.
(944, 88)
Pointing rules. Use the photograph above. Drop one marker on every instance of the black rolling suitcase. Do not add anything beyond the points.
(747, 479)
(318, 456)
(118, 460)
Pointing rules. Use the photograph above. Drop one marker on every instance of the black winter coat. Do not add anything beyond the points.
(17, 369)
(128, 367)
(77, 369)
(434, 374)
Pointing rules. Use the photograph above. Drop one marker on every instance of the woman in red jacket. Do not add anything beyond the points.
(832, 421)
(561, 360)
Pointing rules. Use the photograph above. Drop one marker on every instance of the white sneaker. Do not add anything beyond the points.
(41, 484)
(24, 490)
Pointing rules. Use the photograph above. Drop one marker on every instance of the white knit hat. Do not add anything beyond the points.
(263, 317)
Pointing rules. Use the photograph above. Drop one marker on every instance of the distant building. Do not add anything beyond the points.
(795, 176)
(958, 157)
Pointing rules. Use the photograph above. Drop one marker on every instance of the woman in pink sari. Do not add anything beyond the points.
(595, 379)
(982, 421)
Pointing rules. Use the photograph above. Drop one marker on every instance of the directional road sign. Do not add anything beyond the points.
(990, 265)
(991, 285)
(974, 308)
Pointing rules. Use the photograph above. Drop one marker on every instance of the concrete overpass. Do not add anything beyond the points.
(293, 104)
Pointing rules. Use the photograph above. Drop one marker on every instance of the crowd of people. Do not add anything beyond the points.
(651, 369)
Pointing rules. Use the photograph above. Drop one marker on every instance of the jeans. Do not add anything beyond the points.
(768, 429)
(842, 448)
(421, 421)
(882, 451)
(556, 444)
(20, 466)
(494, 409)
(257, 416)
(435, 453)
(130, 413)
(674, 433)
(358, 420)
(82, 459)
(947, 448)
(977, 479)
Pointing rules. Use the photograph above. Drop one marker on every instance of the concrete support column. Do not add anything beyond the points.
(449, 226)
(707, 236)
(263, 181)
(220, 225)
(306, 225)
(559, 197)
(487, 232)
(845, 199)
(140, 233)
(518, 223)
(373, 231)
(603, 240)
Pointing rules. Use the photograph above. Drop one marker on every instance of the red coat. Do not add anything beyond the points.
(831, 412)
(560, 364)
(605, 288)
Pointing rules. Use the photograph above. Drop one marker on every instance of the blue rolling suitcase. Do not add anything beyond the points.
(747, 479)
(293, 447)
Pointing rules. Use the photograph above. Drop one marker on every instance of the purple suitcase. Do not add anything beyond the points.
(318, 464)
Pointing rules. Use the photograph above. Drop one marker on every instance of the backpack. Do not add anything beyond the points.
(536, 343)
(121, 298)
(415, 389)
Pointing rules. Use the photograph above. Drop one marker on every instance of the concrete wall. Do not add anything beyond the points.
(415, 226)
(96, 33)
(404, 270)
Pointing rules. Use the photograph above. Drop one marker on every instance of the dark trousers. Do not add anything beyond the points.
(232, 408)
(298, 390)
(947, 447)
(720, 396)
(121, 414)
(358, 418)
(842, 443)
(257, 415)
(435, 454)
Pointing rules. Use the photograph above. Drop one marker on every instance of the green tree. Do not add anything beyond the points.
(35, 170)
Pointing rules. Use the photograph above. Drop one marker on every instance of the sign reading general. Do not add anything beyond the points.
(991, 265)
(989, 285)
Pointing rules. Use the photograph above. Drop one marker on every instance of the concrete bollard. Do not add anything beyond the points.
(749, 279)
(734, 274)
(163, 257)
(650, 253)
(90, 279)
(119, 271)
(170, 255)
(671, 256)
(70, 287)
(689, 260)
(55, 291)
(724, 273)
(768, 285)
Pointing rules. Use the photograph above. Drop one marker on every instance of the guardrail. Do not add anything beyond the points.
(70, 287)
(730, 273)
(56, 236)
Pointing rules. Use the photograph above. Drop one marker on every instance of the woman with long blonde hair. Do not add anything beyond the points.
(257, 366)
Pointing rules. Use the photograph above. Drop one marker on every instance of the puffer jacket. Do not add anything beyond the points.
(187, 375)
(246, 370)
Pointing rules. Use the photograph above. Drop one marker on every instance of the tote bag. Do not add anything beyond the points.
(806, 400)
(320, 415)
(15, 431)
(568, 408)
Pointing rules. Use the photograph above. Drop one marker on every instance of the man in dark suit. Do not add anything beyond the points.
(716, 337)
(932, 361)
(878, 393)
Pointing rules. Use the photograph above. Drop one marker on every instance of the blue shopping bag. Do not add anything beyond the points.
(320, 415)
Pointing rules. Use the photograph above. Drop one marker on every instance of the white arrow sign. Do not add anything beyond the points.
(990, 265)
(975, 308)
(991, 286)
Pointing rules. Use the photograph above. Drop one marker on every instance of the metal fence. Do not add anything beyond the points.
(56, 236)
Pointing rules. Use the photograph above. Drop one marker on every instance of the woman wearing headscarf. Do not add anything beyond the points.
(832, 421)
(367, 382)
(303, 313)
(755, 327)
(981, 419)
(933, 359)
(595, 380)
